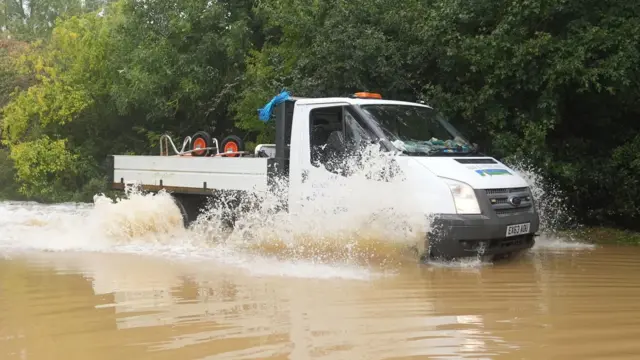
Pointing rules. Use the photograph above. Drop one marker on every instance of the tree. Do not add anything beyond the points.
(551, 82)
(113, 82)
(68, 82)
(10, 81)
(35, 19)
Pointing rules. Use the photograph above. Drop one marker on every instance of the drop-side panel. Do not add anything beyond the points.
(190, 174)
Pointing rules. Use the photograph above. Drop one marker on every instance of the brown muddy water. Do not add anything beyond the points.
(72, 288)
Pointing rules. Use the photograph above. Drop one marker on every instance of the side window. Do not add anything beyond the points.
(335, 138)
(325, 134)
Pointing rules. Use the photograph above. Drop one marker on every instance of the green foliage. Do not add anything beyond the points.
(178, 65)
(35, 19)
(68, 83)
(10, 78)
(604, 235)
(48, 104)
(8, 184)
(331, 48)
(114, 82)
(43, 166)
(553, 82)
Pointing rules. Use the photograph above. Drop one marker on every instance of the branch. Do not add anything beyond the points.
(218, 98)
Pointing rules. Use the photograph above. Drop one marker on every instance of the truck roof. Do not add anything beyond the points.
(353, 101)
(360, 98)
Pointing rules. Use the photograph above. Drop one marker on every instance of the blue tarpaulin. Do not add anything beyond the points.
(265, 113)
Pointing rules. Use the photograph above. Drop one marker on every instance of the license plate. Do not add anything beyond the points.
(518, 229)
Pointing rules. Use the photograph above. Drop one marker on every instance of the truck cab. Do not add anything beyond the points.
(474, 204)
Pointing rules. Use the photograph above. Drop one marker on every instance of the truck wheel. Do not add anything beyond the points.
(435, 255)
(183, 211)
(427, 253)
(232, 143)
(190, 207)
(430, 252)
(201, 140)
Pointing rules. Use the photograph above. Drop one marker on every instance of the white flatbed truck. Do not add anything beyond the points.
(479, 205)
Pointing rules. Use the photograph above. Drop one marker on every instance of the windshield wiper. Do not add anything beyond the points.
(451, 151)
(430, 150)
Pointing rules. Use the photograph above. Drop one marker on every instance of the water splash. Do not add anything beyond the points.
(353, 228)
(137, 217)
(551, 203)
(369, 217)
(342, 226)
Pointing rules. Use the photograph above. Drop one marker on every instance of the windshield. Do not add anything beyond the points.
(417, 129)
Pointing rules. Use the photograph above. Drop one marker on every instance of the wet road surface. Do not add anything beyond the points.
(61, 299)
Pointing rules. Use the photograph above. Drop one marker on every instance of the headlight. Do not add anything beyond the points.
(463, 197)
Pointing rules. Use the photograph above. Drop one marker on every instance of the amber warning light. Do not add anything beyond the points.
(367, 95)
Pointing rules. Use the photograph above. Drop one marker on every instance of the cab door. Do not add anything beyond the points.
(326, 136)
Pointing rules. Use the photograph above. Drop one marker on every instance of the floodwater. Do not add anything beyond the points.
(66, 293)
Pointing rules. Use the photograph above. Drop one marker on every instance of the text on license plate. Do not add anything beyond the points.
(518, 229)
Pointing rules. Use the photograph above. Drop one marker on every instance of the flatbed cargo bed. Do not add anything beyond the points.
(188, 174)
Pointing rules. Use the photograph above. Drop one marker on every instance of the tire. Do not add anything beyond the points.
(201, 139)
(190, 207)
(183, 210)
(231, 143)
(431, 252)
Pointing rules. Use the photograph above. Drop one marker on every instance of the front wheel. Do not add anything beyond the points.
(427, 253)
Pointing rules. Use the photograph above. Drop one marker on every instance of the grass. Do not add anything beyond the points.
(605, 235)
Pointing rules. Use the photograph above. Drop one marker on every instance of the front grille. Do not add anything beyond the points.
(510, 201)
(514, 211)
(506, 191)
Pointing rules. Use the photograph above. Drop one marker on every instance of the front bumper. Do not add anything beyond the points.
(456, 236)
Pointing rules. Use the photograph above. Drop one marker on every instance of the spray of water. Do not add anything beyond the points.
(551, 203)
(138, 217)
(368, 217)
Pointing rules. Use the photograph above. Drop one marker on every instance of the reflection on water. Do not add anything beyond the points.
(105, 306)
